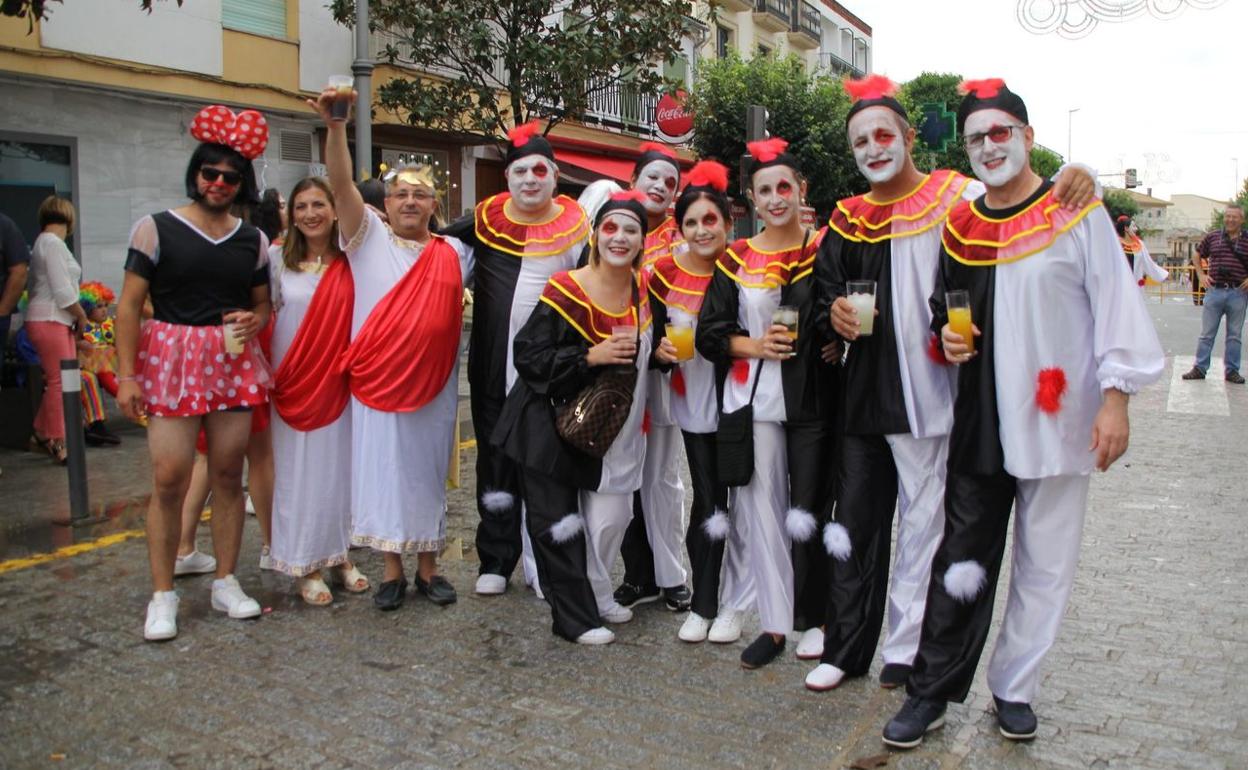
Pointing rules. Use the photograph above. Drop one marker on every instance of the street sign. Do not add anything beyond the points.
(937, 127)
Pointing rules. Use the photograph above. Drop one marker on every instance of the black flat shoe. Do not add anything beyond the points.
(761, 651)
(677, 598)
(894, 675)
(628, 594)
(438, 590)
(390, 594)
(1015, 720)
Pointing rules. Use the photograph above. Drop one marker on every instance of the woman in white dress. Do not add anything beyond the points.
(311, 426)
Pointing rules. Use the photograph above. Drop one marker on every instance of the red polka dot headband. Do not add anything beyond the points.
(247, 132)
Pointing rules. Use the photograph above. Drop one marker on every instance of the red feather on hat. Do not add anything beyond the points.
(870, 87)
(520, 135)
(661, 149)
(983, 89)
(708, 173)
(767, 150)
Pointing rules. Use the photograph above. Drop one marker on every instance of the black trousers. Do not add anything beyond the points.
(498, 533)
(810, 453)
(635, 550)
(866, 481)
(977, 515)
(560, 566)
(706, 556)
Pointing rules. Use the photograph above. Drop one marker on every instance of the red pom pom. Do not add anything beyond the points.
(935, 351)
(870, 87)
(1141, 282)
(678, 382)
(520, 135)
(741, 371)
(661, 149)
(767, 150)
(645, 423)
(1050, 387)
(709, 173)
(983, 89)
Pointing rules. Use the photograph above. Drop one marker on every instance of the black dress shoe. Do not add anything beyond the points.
(917, 717)
(1195, 373)
(761, 651)
(439, 590)
(390, 594)
(1235, 378)
(628, 594)
(91, 438)
(677, 598)
(894, 675)
(1016, 720)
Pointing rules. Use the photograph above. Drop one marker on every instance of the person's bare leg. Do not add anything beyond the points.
(227, 445)
(427, 565)
(193, 505)
(392, 566)
(171, 442)
(260, 480)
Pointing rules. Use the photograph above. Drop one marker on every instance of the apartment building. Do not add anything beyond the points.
(824, 32)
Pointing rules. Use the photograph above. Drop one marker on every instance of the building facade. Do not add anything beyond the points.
(823, 32)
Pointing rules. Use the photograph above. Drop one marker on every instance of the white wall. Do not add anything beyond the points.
(186, 38)
(325, 47)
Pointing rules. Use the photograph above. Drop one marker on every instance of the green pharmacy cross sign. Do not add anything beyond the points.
(938, 126)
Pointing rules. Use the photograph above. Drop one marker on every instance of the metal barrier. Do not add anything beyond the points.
(1182, 282)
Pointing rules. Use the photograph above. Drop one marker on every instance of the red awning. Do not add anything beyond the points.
(606, 166)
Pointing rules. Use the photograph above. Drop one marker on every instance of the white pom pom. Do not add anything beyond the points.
(964, 580)
(801, 524)
(567, 528)
(836, 540)
(716, 526)
(497, 500)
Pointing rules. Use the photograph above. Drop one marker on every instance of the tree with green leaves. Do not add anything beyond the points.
(37, 10)
(495, 64)
(807, 111)
(1120, 202)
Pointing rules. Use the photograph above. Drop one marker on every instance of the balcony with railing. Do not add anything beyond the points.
(838, 66)
(806, 29)
(774, 15)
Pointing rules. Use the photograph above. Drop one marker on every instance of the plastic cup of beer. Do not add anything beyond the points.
(681, 336)
(229, 330)
(786, 316)
(861, 294)
(343, 86)
(958, 302)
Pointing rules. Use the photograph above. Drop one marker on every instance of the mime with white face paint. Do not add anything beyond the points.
(520, 238)
(1061, 340)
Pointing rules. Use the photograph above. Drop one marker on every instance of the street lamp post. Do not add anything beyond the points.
(1235, 181)
(1070, 115)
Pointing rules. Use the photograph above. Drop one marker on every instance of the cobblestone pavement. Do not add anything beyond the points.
(1148, 672)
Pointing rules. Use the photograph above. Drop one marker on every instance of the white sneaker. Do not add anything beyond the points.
(490, 585)
(194, 563)
(726, 628)
(228, 596)
(248, 507)
(810, 646)
(617, 614)
(162, 617)
(694, 629)
(266, 559)
(596, 636)
(825, 677)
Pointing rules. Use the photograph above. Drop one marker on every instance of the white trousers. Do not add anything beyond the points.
(606, 518)
(1048, 530)
(758, 514)
(921, 467)
(663, 504)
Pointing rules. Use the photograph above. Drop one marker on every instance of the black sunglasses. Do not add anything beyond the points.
(211, 175)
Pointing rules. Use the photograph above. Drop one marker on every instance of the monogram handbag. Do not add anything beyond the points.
(592, 420)
(734, 441)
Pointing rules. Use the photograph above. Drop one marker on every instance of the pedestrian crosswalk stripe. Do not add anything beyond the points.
(1207, 396)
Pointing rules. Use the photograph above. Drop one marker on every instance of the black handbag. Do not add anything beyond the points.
(734, 441)
(592, 420)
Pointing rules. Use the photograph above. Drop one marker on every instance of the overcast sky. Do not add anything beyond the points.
(1168, 97)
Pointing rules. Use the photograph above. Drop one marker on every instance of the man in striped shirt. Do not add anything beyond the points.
(1226, 293)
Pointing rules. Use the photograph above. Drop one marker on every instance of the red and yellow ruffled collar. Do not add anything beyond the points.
(758, 269)
(1131, 243)
(973, 238)
(660, 242)
(674, 286)
(567, 230)
(570, 300)
(862, 219)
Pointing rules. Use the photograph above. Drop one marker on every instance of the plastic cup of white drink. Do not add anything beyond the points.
(861, 294)
(233, 345)
(342, 85)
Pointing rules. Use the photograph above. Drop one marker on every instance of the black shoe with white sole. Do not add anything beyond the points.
(677, 598)
(894, 675)
(628, 594)
(1016, 720)
(917, 717)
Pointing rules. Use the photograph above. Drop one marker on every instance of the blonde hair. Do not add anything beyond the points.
(295, 247)
(55, 210)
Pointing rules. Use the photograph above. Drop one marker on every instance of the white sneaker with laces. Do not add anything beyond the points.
(810, 646)
(617, 614)
(694, 629)
(824, 677)
(490, 585)
(726, 628)
(228, 596)
(596, 636)
(194, 563)
(162, 617)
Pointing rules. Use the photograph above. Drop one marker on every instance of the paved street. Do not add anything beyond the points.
(1150, 669)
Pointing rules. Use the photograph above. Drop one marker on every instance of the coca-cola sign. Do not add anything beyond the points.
(671, 117)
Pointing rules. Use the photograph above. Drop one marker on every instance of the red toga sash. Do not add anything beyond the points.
(309, 391)
(406, 349)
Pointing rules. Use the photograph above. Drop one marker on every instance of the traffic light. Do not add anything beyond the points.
(756, 123)
(1131, 179)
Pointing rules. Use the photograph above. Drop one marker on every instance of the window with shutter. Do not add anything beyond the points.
(260, 17)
